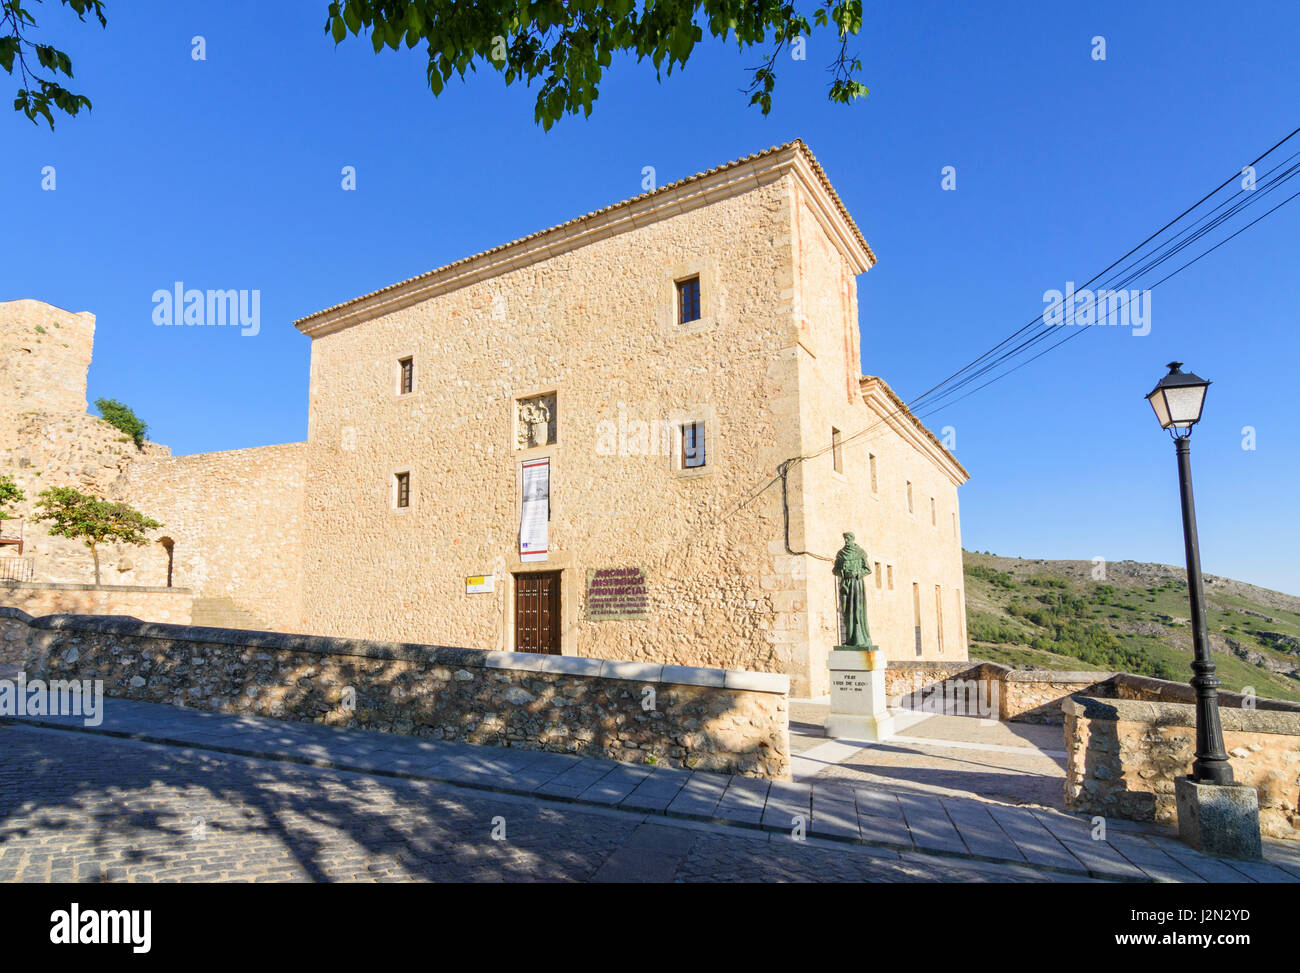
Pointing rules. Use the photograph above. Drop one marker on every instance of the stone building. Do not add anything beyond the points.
(636, 435)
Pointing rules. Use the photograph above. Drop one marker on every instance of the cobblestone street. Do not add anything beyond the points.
(76, 807)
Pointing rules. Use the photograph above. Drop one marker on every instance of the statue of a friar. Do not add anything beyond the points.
(850, 569)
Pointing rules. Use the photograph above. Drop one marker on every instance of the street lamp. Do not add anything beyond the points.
(1177, 400)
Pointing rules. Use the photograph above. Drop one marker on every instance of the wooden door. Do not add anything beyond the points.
(537, 612)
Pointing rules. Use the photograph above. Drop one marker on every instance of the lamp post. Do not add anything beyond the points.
(1177, 400)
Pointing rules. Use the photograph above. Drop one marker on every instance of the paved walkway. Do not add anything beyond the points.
(962, 830)
(949, 756)
(89, 808)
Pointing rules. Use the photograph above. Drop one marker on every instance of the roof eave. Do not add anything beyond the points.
(673, 199)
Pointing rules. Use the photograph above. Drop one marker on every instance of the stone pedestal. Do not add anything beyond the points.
(858, 705)
(1219, 819)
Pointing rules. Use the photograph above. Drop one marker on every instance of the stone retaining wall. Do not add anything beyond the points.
(1037, 695)
(989, 689)
(710, 719)
(149, 604)
(1145, 688)
(13, 636)
(1123, 756)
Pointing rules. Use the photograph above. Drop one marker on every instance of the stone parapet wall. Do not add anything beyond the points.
(1129, 686)
(172, 605)
(1123, 756)
(1036, 696)
(708, 719)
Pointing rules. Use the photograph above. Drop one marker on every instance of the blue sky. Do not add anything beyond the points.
(225, 173)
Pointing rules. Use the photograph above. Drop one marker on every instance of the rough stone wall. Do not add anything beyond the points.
(172, 605)
(1038, 697)
(44, 357)
(907, 677)
(84, 452)
(1123, 757)
(596, 326)
(584, 706)
(13, 638)
(1011, 695)
(235, 520)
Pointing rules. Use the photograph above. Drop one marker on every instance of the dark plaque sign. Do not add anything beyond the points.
(615, 594)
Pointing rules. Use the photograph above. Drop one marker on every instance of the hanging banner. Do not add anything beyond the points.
(536, 514)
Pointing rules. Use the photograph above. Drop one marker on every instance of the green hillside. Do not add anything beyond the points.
(1059, 615)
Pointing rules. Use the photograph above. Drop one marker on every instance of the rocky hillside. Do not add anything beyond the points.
(1062, 614)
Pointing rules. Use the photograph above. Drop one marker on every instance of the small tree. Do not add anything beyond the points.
(10, 496)
(92, 520)
(121, 416)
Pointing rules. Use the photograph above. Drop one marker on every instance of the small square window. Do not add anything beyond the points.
(402, 482)
(688, 300)
(406, 376)
(693, 450)
(837, 453)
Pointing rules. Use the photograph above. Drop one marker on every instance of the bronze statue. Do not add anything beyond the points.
(850, 568)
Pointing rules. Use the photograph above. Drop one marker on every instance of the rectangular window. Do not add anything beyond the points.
(938, 614)
(961, 617)
(890, 569)
(916, 614)
(871, 457)
(934, 514)
(403, 492)
(837, 455)
(880, 581)
(688, 300)
(693, 454)
(909, 496)
(406, 381)
(954, 523)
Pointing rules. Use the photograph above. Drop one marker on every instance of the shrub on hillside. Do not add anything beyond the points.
(121, 416)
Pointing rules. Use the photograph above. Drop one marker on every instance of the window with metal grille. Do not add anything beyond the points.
(693, 453)
(688, 300)
(403, 483)
(406, 383)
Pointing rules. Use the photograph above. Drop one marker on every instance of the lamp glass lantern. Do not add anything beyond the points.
(1177, 400)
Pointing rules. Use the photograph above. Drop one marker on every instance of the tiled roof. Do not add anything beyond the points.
(797, 144)
(901, 408)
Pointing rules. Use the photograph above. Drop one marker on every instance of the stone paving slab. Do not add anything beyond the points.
(931, 828)
(699, 796)
(833, 809)
(657, 791)
(743, 801)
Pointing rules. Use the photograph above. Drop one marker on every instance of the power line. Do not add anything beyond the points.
(1163, 252)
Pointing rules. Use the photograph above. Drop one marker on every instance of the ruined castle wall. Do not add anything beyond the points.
(44, 357)
(235, 522)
